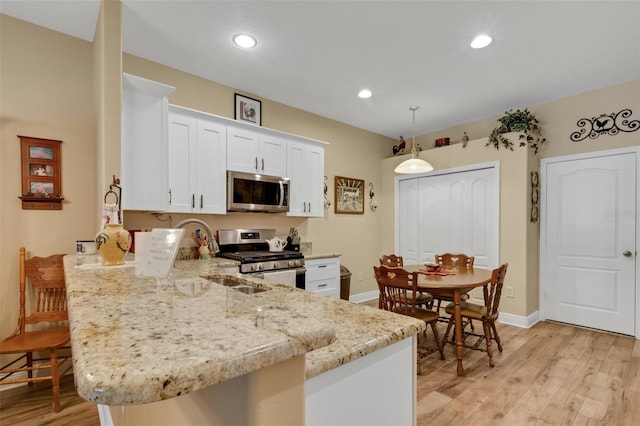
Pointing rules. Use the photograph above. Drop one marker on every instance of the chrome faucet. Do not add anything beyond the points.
(211, 242)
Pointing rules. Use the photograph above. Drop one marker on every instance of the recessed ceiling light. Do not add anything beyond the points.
(364, 94)
(244, 40)
(481, 41)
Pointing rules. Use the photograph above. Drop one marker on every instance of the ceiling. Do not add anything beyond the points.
(317, 55)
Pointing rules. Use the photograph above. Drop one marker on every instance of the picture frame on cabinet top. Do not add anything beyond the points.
(248, 110)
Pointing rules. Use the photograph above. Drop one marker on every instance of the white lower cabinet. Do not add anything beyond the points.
(378, 389)
(323, 276)
(197, 162)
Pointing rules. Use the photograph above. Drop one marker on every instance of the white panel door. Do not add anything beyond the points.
(434, 216)
(409, 220)
(590, 254)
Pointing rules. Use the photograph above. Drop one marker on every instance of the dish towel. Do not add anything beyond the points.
(110, 214)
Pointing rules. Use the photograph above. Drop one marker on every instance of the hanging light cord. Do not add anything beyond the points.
(414, 151)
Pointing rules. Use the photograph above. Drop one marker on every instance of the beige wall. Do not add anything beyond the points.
(46, 91)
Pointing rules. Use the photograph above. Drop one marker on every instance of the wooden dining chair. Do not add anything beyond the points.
(487, 314)
(392, 260)
(399, 289)
(46, 276)
(452, 260)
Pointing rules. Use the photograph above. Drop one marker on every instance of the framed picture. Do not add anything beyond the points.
(349, 195)
(248, 110)
(41, 173)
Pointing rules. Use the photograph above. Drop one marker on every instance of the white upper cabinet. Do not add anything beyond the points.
(305, 168)
(197, 162)
(256, 151)
(144, 144)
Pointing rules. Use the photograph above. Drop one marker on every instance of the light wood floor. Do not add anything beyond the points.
(550, 374)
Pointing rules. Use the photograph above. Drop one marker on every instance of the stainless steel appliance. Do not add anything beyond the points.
(250, 248)
(249, 192)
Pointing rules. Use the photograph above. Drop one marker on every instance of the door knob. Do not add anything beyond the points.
(626, 253)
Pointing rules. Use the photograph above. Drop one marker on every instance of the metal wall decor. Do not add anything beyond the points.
(605, 124)
(535, 196)
(373, 204)
(327, 201)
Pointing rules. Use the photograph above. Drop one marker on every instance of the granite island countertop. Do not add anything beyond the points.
(136, 340)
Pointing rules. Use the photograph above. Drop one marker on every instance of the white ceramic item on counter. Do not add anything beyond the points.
(276, 244)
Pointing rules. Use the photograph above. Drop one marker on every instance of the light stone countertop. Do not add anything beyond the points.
(321, 256)
(137, 341)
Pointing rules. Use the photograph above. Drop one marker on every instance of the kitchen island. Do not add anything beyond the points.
(229, 357)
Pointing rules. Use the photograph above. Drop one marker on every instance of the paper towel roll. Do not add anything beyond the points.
(141, 239)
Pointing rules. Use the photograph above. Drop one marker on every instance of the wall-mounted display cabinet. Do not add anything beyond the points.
(41, 174)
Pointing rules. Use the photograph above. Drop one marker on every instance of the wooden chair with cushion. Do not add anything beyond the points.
(487, 314)
(452, 260)
(392, 260)
(399, 290)
(46, 276)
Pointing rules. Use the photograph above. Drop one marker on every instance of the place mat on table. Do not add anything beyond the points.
(440, 272)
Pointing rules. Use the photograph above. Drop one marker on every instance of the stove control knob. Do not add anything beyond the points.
(292, 263)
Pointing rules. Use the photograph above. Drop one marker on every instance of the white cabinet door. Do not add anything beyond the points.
(323, 276)
(242, 150)
(273, 153)
(182, 137)
(197, 163)
(255, 151)
(144, 144)
(211, 167)
(305, 168)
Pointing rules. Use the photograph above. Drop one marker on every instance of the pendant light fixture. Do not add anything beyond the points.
(414, 164)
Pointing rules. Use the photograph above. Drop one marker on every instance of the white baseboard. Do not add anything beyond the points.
(505, 318)
(364, 297)
(518, 320)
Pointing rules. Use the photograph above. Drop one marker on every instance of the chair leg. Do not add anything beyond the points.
(439, 344)
(30, 366)
(55, 380)
(446, 333)
(496, 337)
(487, 337)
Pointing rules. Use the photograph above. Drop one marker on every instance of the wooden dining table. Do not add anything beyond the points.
(460, 281)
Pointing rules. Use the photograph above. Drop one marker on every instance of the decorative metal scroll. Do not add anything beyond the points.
(605, 124)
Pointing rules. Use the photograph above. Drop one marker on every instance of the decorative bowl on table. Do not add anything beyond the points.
(433, 267)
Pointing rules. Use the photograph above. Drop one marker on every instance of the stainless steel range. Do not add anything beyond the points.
(251, 249)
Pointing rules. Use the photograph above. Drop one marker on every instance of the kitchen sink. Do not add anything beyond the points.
(249, 289)
(236, 284)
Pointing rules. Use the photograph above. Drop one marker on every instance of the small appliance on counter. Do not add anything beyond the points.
(252, 249)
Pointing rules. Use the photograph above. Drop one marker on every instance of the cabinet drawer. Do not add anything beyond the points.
(320, 269)
(330, 283)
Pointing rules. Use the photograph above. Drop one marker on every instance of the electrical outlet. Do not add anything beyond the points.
(360, 276)
(509, 291)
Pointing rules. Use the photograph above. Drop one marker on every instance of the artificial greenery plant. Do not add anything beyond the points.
(521, 121)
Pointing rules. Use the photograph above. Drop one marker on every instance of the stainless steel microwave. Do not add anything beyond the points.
(249, 192)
